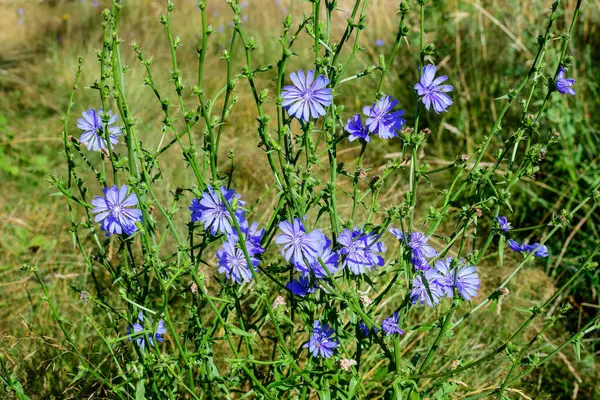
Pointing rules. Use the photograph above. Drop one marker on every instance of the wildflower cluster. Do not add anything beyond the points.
(214, 211)
(313, 279)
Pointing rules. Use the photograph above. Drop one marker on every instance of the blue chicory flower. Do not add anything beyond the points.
(419, 292)
(359, 250)
(417, 242)
(232, 262)
(443, 270)
(382, 120)
(540, 251)
(515, 246)
(419, 247)
(356, 129)
(298, 246)
(329, 257)
(390, 325)
(504, 224)
(397, 233)
(379, 42)
(420, 263)
(466, 280)
(321, 342)
(364, 329)
(300, 287)
(114, 211)
(211, 211)
(139, 327)
(308, 97)
(93, 136)
(252, 235)
(432, 92)
(563, 85)
(463, 277)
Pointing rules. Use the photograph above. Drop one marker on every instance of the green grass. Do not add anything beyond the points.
(485, 49)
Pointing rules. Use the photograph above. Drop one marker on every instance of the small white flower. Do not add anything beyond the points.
(279, 301)
(346, 364)
(366, 300)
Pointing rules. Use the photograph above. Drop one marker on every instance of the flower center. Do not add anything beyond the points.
(238, 260)
(297, 241)
(222, 211)
(116, 210)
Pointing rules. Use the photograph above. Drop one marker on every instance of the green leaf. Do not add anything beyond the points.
(284, 384)
(240, 332)
(501, 250)
(494, 305)
(121, 162)
(524, 310)
(18, 388)
(449, 387)
(415, 395)
(354, 386)
(140, 390)
(397, 390)
(577, 346)
(426, 327)
(325, 393)
(444, 392)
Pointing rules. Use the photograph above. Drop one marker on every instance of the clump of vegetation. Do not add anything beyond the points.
(261, 218)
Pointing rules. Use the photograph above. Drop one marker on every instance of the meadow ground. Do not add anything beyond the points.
(487, 45)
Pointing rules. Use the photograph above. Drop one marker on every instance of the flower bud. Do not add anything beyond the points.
(194, 288)
(84, 296)
(477, 211)
(429, 49)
